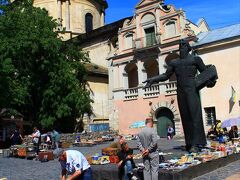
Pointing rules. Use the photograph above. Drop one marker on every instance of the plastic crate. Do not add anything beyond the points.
(22, 152)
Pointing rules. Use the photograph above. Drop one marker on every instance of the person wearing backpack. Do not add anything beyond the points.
(170, 132)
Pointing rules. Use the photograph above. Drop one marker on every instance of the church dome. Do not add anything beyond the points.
(103, 2)
(76, 16)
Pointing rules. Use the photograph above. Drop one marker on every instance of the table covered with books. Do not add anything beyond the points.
(187, 166)
(110, 171)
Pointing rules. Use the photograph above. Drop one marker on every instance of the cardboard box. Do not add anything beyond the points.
(109, 151)
(45, 155)
(65, 145)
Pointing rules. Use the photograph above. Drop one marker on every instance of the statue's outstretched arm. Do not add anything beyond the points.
(162, 77)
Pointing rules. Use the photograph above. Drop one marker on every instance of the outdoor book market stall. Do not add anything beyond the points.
(110, 172)
(186, 166)
(174, 165)
(27, 149)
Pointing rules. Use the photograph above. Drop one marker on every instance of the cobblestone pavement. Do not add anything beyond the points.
(229, 172)
(22, 169)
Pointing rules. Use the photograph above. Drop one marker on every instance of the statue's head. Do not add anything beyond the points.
(184, 48)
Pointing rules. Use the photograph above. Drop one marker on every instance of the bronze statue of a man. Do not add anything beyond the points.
(189, 103)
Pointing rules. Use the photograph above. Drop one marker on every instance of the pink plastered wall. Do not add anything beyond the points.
(138, 110)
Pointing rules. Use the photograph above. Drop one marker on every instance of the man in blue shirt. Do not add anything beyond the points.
(56, 138)
(74, 166)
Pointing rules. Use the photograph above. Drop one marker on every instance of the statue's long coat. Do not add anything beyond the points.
(188, 96)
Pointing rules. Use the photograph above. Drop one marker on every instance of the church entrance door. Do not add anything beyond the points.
(164, 118)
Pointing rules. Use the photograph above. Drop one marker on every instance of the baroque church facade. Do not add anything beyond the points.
(125, 53)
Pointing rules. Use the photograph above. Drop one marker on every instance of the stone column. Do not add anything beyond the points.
(161, 63)
(138, 33)
(59, 19)
(116, 73)
(124, 77)
(102, 19)
(110, 79)
(141, 77)
(67, 15)
(158, 26)
(137, 26)
(59, 5)
(182, 22)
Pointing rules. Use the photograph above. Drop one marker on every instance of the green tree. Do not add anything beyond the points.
(41, 76)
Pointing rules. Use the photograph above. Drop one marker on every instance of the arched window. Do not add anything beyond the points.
(151, 68)
(147, 18)
(132, 73)
(169, 58)
(88, 22)
(170, 29)
(128, 41)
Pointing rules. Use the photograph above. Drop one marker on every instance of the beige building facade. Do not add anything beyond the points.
(221, 47)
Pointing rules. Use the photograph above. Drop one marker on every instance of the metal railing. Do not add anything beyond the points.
(146, 41)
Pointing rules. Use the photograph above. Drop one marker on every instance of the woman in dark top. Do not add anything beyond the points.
(16, 137)
(233, 133)
(126, 163)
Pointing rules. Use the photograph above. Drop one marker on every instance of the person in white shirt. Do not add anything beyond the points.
(74, 166)
(36, 135)
(170, 132)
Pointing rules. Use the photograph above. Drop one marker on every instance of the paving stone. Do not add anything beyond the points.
(222, 173)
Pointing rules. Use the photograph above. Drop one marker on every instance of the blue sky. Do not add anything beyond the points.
(217, 13)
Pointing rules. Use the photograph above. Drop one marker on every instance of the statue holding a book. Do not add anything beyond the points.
(188, 86)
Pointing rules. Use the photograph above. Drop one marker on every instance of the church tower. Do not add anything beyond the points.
(75, 16)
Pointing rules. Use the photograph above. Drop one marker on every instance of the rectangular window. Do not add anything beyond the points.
(210, 115)
(128, 41)
(170, 29)
(150, 36)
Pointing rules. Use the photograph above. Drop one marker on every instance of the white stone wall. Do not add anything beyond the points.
(98, 52)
